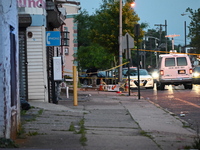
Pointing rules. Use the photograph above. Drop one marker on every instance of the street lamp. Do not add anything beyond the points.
(132, 4)
(120, 38)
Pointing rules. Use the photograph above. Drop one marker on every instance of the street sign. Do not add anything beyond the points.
(130, 41)
(52, 38)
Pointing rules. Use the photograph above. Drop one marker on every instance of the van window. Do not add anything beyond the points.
(181, 61)
(169, 62)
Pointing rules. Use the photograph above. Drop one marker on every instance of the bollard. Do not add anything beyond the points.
(75, 86)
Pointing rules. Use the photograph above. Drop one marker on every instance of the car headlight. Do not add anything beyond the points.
(155, 75)
(196, 74)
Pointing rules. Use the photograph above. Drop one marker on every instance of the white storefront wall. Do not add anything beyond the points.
(36, 49)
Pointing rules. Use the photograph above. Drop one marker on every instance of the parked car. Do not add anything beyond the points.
(146, 80)
(85, 78)
(196, 75)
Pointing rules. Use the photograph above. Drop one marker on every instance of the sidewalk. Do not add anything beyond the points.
(108, 121)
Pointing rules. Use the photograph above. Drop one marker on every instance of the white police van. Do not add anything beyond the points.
(174, 69)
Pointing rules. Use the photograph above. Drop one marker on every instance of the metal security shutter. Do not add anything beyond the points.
(23, 66)
(50, 73)
(37, 64)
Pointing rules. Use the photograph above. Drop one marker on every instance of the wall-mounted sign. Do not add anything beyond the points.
(53, 38)
(32, 3)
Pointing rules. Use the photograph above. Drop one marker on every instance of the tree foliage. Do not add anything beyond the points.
(94, 56)
(106, 31)
(194, 28)
(84, 25)
(98, 34)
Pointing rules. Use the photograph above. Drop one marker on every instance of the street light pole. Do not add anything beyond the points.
(120, 41)
(185, 26)
(185, 35)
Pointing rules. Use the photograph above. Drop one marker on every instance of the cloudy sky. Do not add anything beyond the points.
(156, 12)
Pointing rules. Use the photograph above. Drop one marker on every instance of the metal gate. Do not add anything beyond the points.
(51, 88)
(23, 76)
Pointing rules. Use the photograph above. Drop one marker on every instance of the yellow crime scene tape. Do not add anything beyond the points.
(105, 70)
(128, 62)
(165, 52)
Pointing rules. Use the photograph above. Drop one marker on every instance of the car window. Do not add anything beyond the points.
(143, 72)
(197, 69)
(135, 72)
(181, 61)
(169, 62)
(124, 71)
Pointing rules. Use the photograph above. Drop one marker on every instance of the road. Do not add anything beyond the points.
(183, 103)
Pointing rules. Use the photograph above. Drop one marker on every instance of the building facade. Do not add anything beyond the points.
(36, 17)
(9, 74)
(72, 10)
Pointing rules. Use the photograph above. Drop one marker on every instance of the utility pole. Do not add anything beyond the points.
(160, 31)
(172, 36)
(120, 42)
(185, 28)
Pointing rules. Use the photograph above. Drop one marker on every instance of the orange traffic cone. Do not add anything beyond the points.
(101, 85)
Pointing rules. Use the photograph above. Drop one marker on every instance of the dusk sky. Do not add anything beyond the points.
(156, 12)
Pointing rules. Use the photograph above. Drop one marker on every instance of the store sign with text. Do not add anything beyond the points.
(32, 3)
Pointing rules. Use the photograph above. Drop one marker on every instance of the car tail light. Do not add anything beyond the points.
(191, 71)
(161, 72)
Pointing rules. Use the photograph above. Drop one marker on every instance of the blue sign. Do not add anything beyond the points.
(53, 38)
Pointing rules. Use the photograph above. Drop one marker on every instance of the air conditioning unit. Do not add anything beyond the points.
(66, 51)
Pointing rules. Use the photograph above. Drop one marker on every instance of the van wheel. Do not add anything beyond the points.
(188, 86)
(160, 86)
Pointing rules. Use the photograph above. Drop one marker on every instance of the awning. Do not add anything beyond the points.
(54, 17)
(25, 20)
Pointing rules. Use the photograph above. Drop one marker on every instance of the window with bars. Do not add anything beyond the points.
(65, 38)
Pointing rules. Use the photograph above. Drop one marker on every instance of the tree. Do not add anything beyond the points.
(94, 55)
(102, 30)
(194, 28)
(105, 28)
(84, 25)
